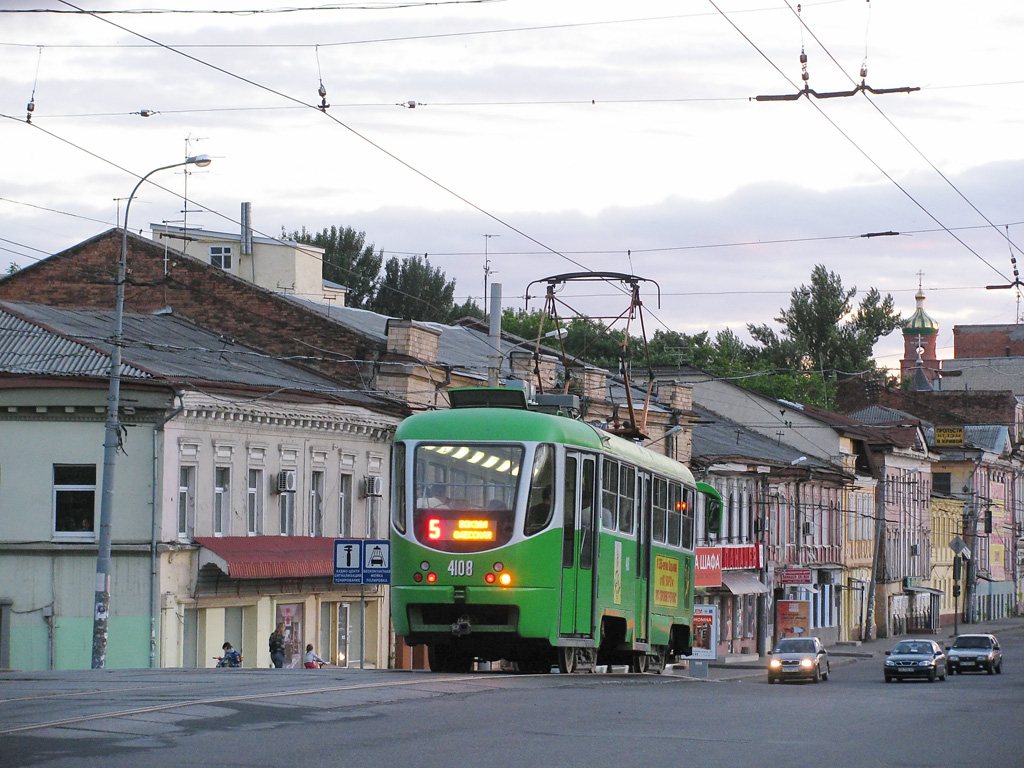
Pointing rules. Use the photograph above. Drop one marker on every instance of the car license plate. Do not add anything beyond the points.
(967, 663)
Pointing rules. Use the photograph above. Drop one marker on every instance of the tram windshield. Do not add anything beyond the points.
(465, 494)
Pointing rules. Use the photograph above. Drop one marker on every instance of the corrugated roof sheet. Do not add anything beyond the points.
(30, 348)
(268, 557)
(167, 346)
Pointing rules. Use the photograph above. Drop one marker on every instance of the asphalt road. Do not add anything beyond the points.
(373, 719)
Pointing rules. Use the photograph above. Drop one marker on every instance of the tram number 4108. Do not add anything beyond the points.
(460, 567)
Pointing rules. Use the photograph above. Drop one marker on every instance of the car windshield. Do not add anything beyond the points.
(972, 642)
(912, 648)
(795, 645)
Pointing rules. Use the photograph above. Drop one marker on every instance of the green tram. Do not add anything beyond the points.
(539, 539)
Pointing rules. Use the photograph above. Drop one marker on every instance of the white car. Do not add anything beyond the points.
(975, 653)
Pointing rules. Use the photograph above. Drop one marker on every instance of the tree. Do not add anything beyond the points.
(414, 290)
(12, 268)
(823, 337)
(347, 261)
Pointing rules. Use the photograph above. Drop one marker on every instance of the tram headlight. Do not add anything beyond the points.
(505, 579)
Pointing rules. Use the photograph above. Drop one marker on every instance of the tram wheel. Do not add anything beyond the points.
(567, 660)
(657, 662)
(638, 662)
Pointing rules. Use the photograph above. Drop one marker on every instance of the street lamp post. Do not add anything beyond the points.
(111, 438)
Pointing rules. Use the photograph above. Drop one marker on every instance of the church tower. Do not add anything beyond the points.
(920, 333)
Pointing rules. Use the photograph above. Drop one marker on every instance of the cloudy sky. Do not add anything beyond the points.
(578, 134)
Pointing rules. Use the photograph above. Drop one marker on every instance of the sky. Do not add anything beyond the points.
(545, 138)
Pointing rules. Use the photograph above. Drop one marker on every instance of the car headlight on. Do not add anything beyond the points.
(926, 663)
(774, 664)
(806, 663)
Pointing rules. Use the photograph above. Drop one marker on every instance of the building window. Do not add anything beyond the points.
(287, 508)
(221, 501)
(74, 500)
(220, 256)
(254, 513)
(316, 504)
(186, 501)
(345, 517)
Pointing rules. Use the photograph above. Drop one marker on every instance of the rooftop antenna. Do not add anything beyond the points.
(487, 273)
(188, 153)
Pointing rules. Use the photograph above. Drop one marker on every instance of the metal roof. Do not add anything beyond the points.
(164, 346)
(717, 438)
(31, 349)
(268, 557)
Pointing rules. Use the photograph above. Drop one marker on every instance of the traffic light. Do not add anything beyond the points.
(957, 570)
(988, 520)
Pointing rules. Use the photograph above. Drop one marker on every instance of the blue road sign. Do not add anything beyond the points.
(362, 561)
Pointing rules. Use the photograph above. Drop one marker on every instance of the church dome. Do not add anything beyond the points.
(920, 323)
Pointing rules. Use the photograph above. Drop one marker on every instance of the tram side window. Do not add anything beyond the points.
(609, 494)
(569, 514)
(660, 519)
(627, 493)
(689, 510)
(540, 502)
(398, 513)
(675, 514)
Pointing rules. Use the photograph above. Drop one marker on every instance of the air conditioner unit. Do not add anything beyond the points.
(286, 481)
(374, 485)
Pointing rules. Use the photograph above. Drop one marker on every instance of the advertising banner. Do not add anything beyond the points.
(793, 618)
(708, 570)
(705, 633)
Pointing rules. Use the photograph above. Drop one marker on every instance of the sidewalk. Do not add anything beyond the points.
(752, 666)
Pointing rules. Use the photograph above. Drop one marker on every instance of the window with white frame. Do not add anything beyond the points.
(220, 256)
(286, 507)
(221, 501)
(255, 501)
(186, 501)
(345, 507)
(74, 501)
(316, 503)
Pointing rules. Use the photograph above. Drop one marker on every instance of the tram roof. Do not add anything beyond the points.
(502, 424)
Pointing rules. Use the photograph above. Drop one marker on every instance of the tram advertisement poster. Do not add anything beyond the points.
(793, 618)
(705, 630)
(666, 581)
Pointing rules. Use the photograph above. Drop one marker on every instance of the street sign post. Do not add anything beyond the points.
(362, 562)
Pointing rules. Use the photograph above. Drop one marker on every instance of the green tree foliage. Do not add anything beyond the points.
(12, 268)
(348, 260)
(823, 337)
(412, 289)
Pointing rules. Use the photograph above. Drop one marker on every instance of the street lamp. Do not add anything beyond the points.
(110, 439)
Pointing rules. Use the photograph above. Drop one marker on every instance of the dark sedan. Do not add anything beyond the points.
(915, 658)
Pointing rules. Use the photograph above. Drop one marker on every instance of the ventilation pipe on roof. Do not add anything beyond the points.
(247, 229)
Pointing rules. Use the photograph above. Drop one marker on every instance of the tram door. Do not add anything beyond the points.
(578, 545)
(643, 554)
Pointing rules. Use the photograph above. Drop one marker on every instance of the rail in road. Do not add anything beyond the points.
(105, 699)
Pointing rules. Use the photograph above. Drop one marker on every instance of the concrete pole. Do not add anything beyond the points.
(869, 620)
(494, 335)
(112, 438)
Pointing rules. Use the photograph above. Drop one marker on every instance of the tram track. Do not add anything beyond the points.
(213, 700)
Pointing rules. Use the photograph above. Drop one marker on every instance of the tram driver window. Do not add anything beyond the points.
(539, 506)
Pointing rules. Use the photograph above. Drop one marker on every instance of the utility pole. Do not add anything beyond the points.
(869, 620)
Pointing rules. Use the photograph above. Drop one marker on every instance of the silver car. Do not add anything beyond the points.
(798, 658)
(975, 653)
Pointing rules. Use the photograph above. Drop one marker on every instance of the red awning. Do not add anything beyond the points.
(268, 557)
